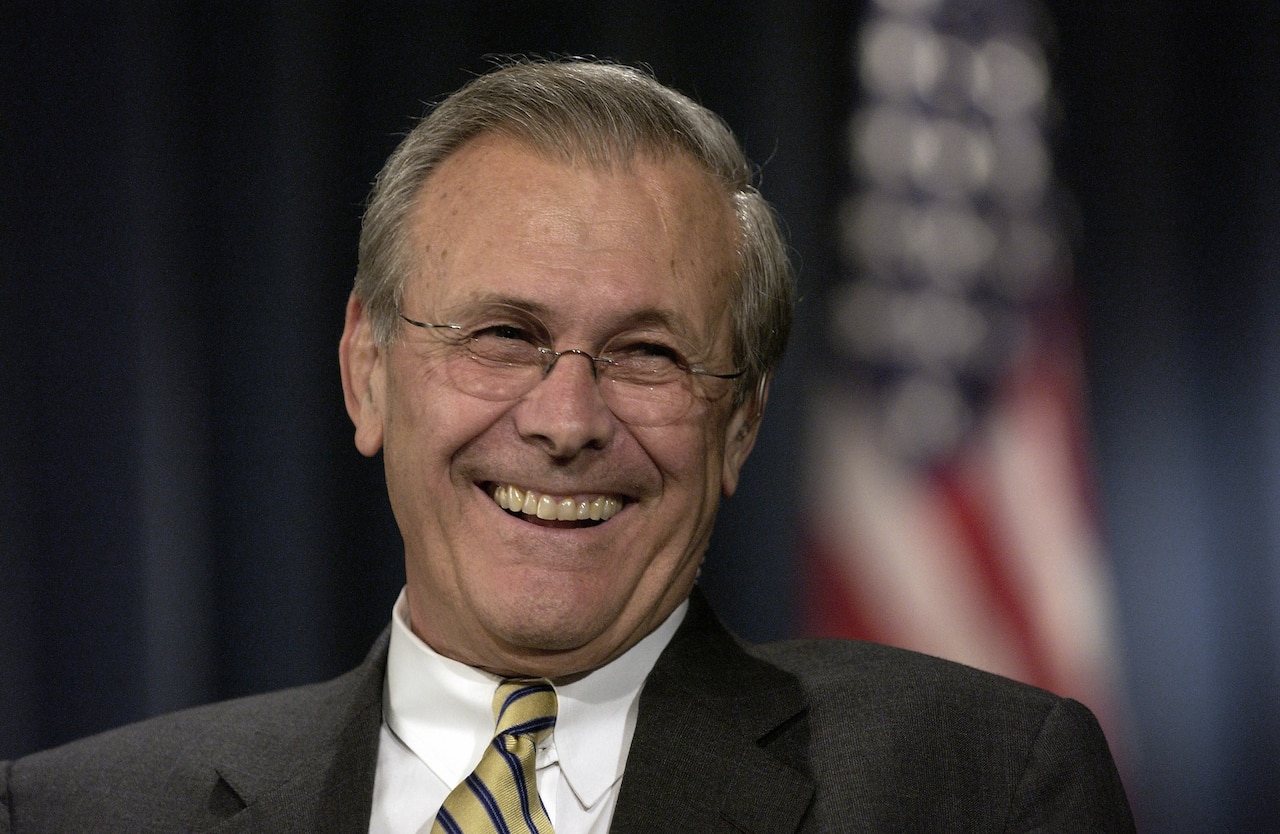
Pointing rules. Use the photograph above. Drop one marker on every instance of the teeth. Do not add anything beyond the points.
(552, 508)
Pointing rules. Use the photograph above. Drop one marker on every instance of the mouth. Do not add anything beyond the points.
(563, 511)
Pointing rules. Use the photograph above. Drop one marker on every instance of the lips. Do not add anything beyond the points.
(546, 507)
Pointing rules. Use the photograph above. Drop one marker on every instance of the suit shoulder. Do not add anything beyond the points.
(852, 685)
(978, 746)
(164, 772)
(828, 666)
(198, 729)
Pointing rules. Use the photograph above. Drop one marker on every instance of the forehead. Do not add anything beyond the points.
(499, 219)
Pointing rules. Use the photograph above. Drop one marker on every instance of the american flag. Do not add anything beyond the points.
(950, 509)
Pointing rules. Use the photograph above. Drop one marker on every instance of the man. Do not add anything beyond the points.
(569, 302)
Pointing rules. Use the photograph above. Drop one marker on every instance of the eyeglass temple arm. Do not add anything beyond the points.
(427, 324)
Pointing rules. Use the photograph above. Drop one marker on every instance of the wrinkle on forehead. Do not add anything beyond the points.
(663, 211)
(652, 167)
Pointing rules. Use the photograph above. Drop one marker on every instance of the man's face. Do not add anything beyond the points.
(597, 256)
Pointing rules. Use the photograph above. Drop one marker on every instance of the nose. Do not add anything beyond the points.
(565, 413)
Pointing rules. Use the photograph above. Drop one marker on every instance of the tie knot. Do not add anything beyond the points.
(525, 707)
(501, 794)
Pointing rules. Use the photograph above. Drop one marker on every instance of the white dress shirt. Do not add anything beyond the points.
(438, 719)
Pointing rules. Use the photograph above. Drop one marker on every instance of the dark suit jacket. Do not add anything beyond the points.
(809, 736)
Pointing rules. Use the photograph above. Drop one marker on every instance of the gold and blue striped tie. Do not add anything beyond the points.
(501, 794)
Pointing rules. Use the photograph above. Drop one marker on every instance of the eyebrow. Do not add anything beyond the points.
(491, 301)
(646, 317)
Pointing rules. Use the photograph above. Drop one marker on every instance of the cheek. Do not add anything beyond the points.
(687, 454)
(429, 424)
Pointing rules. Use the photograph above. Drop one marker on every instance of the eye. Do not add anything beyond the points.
(503, 332)
(504, 344)
(645, 363)
(647, 352)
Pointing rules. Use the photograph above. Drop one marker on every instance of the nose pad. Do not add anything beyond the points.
(555, 359)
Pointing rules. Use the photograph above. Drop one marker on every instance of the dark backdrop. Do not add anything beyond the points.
(183, 185)
(183, 516)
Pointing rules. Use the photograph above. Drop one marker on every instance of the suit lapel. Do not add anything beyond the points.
(319, 777)
(719, 745)
(720, 740)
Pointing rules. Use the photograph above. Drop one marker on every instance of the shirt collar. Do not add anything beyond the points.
(443, 710)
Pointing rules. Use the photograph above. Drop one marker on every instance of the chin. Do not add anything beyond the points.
(541, 624)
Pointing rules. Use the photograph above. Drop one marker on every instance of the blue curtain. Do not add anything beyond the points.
(185, 515)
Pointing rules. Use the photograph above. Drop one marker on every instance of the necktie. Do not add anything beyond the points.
(501, 794)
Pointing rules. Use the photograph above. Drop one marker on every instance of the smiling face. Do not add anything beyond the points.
(596, 257)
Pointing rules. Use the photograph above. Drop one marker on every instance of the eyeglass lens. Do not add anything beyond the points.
(638, 404)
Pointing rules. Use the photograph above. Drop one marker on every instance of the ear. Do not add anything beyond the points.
(363, 377)
(740, 436)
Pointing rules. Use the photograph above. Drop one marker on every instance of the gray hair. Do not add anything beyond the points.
(604, 114)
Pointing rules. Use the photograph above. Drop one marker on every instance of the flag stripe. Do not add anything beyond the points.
(990, 560)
